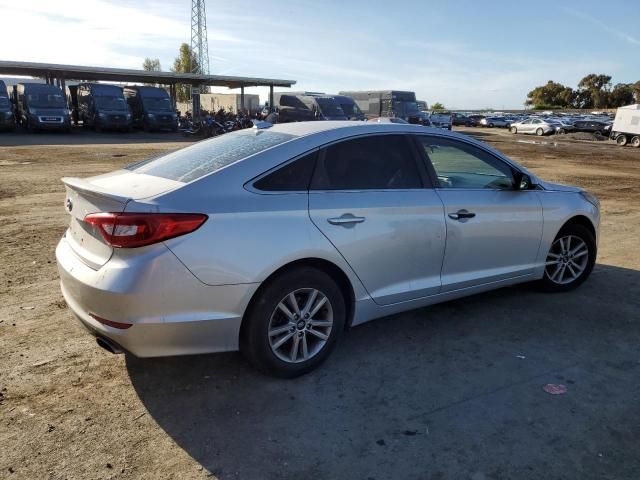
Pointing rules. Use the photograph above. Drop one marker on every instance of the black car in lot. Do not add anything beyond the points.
(592, 126)
(458, 119)
(41, 107)
(151, 108)
(103, 106)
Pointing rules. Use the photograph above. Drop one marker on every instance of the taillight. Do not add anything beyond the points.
(130, 230)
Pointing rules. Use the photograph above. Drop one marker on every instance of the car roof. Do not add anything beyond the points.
(322, 132)
(346, 127)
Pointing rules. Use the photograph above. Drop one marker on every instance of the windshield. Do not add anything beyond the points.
(405, 108)
(46, 100)
(206, 157)
(351, 109)
(4, 102)
(329, 107)
(161, 104)
(111, 102)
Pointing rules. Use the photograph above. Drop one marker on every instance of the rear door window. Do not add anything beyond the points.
(295, 176)
(203, 158)
(380, 162)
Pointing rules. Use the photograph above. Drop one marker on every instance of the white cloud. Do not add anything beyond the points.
(286, 42)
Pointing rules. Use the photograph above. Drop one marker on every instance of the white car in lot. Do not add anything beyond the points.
(533, 126)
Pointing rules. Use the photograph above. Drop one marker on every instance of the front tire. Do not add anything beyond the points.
(539, 132)
(294, 323)
(570, 259)
(514, 130)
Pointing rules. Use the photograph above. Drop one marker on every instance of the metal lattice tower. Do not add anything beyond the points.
(199, 44)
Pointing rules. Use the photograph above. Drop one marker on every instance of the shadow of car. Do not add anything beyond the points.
(434, 393)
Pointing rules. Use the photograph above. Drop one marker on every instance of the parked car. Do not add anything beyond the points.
(41, 107)
(151, 108)
(7, 118)
(561, 126)
(476, 118)
(495, 122)
(349, 107)
(533, 126)
(592, 126)
(274, 240)
(440, 120)
(390, 103)
(461, 119)
(626, 126)
(307, 106)
(103, 106)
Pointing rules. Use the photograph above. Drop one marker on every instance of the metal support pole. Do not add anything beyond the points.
(271, 109)
(242, 99)
(172, 94)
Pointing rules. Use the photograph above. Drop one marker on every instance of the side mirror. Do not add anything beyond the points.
(521, 181)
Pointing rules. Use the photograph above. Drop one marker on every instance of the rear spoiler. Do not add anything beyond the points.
(88, 188)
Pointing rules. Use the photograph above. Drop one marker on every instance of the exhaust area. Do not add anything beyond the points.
(108, 345)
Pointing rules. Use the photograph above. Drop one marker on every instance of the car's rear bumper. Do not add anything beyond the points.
(170, 311)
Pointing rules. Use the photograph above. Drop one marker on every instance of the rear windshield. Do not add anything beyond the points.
(200, 159)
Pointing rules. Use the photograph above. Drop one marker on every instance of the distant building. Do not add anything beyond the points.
(231, 102)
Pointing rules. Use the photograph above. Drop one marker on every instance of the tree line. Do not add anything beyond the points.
(594, 91)
(186, 62)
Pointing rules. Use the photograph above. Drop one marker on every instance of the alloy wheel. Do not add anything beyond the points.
(300, 325)
(567, 259)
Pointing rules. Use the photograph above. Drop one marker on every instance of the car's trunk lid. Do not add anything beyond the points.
(105, 193)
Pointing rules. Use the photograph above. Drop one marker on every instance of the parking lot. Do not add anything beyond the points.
(450, 391)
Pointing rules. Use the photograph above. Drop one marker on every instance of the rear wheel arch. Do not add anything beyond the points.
(331, 269)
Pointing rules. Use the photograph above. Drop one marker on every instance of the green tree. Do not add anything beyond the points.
(437, 106)
(151, 65)
(582, 99)
(186, 62)
(636, 90)
(551, 95)
(598, 86)
(622, 94)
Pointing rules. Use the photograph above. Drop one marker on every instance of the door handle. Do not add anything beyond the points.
(345, 220)
(461, 215)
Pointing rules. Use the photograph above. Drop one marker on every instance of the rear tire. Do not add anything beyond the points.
(621, 140)
(282, 354)
(570, 259)
(514, 130)
(539, 132)
(635, 142)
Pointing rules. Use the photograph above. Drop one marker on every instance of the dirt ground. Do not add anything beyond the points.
(450, 391)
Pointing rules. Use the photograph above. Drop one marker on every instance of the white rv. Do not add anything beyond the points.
(626, 126)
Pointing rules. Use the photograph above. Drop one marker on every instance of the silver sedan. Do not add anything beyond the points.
(275, 240)
(533, 126)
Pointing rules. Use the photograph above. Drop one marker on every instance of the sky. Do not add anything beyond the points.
(464, 54)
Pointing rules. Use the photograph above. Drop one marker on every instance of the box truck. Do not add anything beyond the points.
(626, 126)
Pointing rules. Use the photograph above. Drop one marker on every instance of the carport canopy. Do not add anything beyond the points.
(76, 72)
